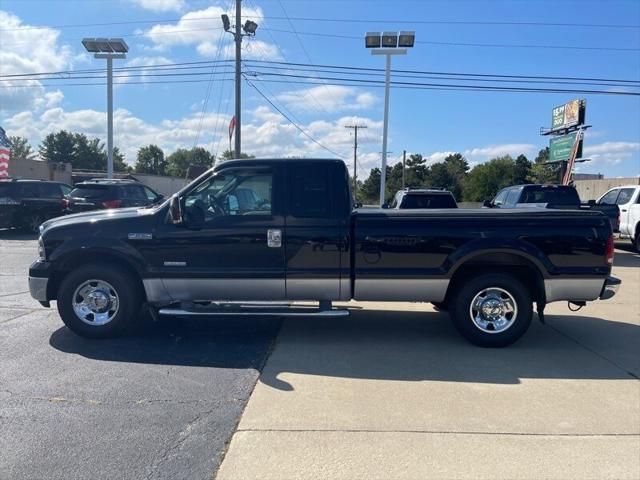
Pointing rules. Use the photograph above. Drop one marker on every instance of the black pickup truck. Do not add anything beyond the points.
(286, 230)
(562, 197)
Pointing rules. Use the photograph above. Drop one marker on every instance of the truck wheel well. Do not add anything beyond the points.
(85, 258)
(516, 265)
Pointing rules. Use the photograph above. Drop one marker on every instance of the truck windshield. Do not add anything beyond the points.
(550, 195)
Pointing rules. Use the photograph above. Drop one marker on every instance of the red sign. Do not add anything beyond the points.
(232, 126)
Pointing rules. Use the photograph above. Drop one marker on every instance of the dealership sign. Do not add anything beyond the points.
(560, 147)
(570, 114)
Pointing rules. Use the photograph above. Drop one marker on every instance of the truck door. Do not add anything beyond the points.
(317, 226)
(228, 249)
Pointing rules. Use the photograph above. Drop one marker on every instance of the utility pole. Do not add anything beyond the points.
(404, 160)
(249, 31)
(238, 38)
(355, 156)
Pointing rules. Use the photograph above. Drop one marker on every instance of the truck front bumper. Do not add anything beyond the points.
(610, 288)
(39, 281)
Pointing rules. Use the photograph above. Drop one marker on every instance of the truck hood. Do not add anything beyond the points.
(95, 216)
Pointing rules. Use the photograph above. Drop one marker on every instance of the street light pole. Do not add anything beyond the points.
(385, 129)
(109, 117)
(238, 39)
(108, 49)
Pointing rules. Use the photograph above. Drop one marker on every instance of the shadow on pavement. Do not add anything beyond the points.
(626, 259)
(216, 342)
(370, 344)
(16, 234)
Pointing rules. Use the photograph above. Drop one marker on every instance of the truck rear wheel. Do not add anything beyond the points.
(492, 310)
(99, 300)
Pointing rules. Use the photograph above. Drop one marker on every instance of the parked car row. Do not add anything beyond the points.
(26, 204)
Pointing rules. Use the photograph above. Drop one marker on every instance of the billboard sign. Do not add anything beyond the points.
(560, 147)
(570, 114)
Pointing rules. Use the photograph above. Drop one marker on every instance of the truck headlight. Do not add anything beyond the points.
(41, 251)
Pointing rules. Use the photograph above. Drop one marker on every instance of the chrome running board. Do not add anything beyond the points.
(254, 309)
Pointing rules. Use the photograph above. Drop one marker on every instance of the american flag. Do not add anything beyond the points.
(5, 152)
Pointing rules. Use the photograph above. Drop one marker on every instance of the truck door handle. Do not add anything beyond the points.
(274, 238)
(624, 209)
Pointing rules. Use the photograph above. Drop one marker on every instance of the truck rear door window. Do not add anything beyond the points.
(429, 201)
(310, 191)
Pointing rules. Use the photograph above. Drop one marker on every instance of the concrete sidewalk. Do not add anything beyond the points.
(393, 392)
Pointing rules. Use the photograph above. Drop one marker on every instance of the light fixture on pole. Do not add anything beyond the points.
(387, 43)
(108, 48)
(249, 29)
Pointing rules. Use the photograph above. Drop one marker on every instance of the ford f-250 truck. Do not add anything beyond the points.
(269, 230)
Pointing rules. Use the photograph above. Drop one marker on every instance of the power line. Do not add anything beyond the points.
(470, 44)
(302, 130)
(337, 20)
(294, 66)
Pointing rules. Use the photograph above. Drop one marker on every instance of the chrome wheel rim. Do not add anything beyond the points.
(95, 302)
(493, 310)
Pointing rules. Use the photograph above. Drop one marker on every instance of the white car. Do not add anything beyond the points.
(627, 197)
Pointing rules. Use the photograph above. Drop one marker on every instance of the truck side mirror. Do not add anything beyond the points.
(175, 210)
(385, 205)
(591, 203)
(487, 204)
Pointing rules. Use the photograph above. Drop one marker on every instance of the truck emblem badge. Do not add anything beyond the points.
(140, 236)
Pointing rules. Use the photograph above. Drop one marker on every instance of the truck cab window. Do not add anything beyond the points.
(231, 193)
(310, 191)
(610, 197)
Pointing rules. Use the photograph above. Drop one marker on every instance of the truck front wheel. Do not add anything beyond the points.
(492, 310)
(99, 300)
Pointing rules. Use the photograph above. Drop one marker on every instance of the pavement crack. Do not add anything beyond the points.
(176, 445)
(18, 316)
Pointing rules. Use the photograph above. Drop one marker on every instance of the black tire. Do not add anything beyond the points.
(636, 242)
(502, 289)
(127, 291)
(440, 306)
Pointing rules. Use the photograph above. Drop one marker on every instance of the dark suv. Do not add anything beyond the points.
(27, 203)
(423, 198)
(114, 193)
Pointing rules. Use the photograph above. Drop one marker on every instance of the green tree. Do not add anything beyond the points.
(20, 149)
(82, 152)
(544, 173)
(450, 174)
(415, 170)
(486, 179)
(230, 155)
(150, 160)
(179, 161)
(58, 147)
(523, 170)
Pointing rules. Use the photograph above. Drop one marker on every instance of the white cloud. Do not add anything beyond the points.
(436, 157)
(491, 151)
(141, 74)
(161, 5)
(612, 153)
(327, 98)
(199, 27)
(265, 133)
(26, 50)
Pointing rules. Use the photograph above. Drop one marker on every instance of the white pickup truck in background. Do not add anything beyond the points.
(627, 197)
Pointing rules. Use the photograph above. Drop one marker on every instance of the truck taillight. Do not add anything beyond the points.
(610, 250)
(65, 202)
(112, 203)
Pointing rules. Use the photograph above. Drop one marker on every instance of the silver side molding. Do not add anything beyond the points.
(268, 312)
(584, 289)
(401, 290)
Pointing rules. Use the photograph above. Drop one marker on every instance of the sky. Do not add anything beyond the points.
(451, 36)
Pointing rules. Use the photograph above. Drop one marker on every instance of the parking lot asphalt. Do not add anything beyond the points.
(393, 392)
(154, 406)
